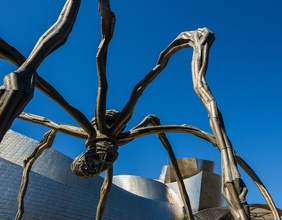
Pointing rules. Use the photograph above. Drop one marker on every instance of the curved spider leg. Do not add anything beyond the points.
(140, 131)
(75, 113)
(155, 121)
(54, 37)
(104, 192)
(182, 41)
(260, 186)
(15, 94)
(64, 128)
(107, 25)
(11, 54)
(234, 189)
(19, 85)
(200, 40)
(125, 137)
(45, 143)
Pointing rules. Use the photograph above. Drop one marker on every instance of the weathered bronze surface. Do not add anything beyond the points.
(105, 132)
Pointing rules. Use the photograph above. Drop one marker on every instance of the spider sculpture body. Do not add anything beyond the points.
(105, 132)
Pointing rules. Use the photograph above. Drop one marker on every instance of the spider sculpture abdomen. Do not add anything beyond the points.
(101, 153)
(99, 156)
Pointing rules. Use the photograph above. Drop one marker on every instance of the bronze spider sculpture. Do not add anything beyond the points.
(105, 132)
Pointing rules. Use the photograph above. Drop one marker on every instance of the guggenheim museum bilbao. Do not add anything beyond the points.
(55, 193)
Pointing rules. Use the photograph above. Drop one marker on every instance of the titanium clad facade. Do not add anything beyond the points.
(202, 185)
(188, 168)
(54, 192)
(204, 190)
(147, 188)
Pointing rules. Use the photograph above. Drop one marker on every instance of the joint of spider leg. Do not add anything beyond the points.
(205, 35)
(240, 188)
(153, 117)
(111, 117)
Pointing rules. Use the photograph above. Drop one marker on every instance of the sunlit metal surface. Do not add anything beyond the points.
(55, 193)
(146, 188)
(202, 185)
(149, 189)
(188, 168)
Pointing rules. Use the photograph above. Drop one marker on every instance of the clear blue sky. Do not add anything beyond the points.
(244, 74)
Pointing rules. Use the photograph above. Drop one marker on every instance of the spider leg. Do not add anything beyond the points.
(18, 86)
(200, 40)
(155, 121)
(107, 26)
(184, 40)
(234, 189)
(12, 55)
(16, 92)
(260, 186)
(104, 192)
(45, 143)
(64, 128)
(75, 113)
(54, 37)
(139, 131)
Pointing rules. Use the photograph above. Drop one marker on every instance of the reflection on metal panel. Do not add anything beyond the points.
(165, 174)
(202, 185)
(55, 193)
(193, 187)
(146, 188)
(188, 168)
